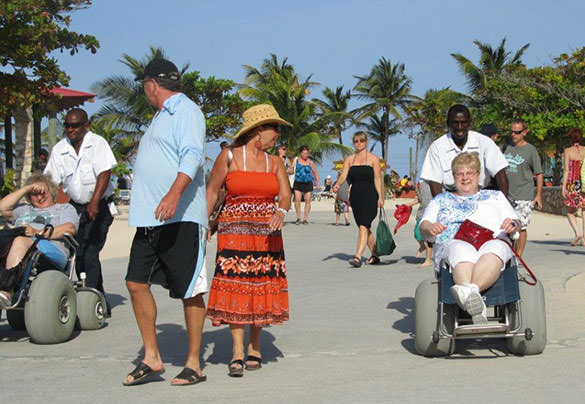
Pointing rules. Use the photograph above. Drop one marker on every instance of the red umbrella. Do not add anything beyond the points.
(401, 214)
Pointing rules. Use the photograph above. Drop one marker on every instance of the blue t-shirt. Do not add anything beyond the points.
(303, 173)
(172, 144)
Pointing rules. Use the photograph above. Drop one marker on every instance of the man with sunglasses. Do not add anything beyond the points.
(436, 169)
(82, 163)
(524, 167)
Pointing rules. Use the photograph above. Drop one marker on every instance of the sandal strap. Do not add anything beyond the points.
(140, 370)
(252, 358)
(237, 362)
(189, 375)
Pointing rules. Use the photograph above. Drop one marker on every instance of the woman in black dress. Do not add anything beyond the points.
(362, 170)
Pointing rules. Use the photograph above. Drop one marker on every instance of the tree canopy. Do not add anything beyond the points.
(30, 30)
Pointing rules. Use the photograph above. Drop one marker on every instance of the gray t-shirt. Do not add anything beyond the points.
(37, 218)
(524, 162)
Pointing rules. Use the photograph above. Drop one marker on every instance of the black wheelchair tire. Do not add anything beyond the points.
(51, 308)
(532, 317)
(426, 319)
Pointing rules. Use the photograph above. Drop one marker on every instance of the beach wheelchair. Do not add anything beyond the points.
(48, 303)
(515, 302)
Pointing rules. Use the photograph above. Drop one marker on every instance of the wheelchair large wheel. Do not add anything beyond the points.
(532, 320)
(51, 308)
(426, 320)
(91, 310)
(16, 319)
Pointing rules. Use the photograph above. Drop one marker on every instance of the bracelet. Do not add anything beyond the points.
(283, 210)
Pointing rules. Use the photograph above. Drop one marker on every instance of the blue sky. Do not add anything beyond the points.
(332, 40)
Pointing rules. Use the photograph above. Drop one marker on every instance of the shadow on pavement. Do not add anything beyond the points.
(173, 345)
(115, 300)
(405, 306)
(338, 256)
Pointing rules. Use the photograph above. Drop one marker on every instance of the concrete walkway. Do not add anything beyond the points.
(349, 338)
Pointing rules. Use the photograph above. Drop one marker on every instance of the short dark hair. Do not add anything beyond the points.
(171, 85)
(456, 109)
(519, 121)
(303, 148)
(575, 135)
(79, 111)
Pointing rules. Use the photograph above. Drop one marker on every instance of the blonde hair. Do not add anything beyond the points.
(470, 160)
(45, 179)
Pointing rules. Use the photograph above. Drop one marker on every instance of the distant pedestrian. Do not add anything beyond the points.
(573, 192)
(363, 170)
(491, 130)
(436, 169)
(306, 178)
(281, 152)
(341, 205)
(82, 163)
(523, 167)
(168, 208)
(250, 286)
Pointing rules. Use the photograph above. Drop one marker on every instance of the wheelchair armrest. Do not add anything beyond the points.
(70, 241)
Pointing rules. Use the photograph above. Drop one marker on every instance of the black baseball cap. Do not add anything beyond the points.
(489, 130)
(160, 69)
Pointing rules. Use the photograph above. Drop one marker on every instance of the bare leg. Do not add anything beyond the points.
(371, 242)
(362, 241)
(521, 242)
(421, 248)
(194, 319)
(337, 217)
(145, 312)
(428, 256)
(254, 345)
(346, 216)
(462, 273)
(238, 342)
(573, 222)
(307, 205)
(486, 271)
(298, 204)
(19, 247)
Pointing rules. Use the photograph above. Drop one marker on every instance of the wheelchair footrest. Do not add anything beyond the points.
(489, 328)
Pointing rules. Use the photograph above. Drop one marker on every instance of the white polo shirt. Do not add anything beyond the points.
(78, 173)
(437, 164)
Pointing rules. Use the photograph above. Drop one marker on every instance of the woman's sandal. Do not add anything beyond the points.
(190, 376)
(355, 262)
(257, 362)
(578, 240)
(236, 371)
(298, 221)
(373, 260)
(143, 374)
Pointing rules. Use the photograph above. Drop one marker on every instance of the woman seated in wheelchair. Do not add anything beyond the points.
(41, 193)
(473, 270)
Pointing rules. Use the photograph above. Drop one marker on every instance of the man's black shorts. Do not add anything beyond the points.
(169, 255)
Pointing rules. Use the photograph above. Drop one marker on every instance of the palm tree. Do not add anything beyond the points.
(277, 83)
(334, 108)
(375, 128)
(492, 62)
(387, 90)
(126, 111)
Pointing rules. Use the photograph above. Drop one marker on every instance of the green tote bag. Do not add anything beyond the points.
(385, 244)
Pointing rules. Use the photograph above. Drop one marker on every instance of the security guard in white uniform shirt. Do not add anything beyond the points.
(82, 163)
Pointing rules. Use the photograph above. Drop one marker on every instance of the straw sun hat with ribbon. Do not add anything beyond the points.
(260, 115)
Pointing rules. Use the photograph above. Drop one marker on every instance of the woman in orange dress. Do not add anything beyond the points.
(249, 286)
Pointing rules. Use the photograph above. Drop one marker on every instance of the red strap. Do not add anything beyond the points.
(530, 273)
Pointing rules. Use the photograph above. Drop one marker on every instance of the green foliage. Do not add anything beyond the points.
(277, 83)
(333, 111)
(9, 184)
(30, 30)
(386, 89)
(221, 105)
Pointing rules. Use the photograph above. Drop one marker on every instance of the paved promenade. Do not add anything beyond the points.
(349, 338)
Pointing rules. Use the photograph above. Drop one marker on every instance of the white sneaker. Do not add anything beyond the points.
(476, 308)
(461, 294)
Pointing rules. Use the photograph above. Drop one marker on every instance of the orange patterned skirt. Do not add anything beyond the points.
(249, 285)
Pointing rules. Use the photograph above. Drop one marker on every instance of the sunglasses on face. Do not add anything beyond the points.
(517, 132)
(359, 141)
(73, 125)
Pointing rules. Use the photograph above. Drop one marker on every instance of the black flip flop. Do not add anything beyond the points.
(236, 371)
(143, 374)
(257, 362)
(355, 262)
(190, 376)
(373, 260)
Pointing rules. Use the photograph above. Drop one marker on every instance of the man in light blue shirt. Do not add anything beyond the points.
(168, 208)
